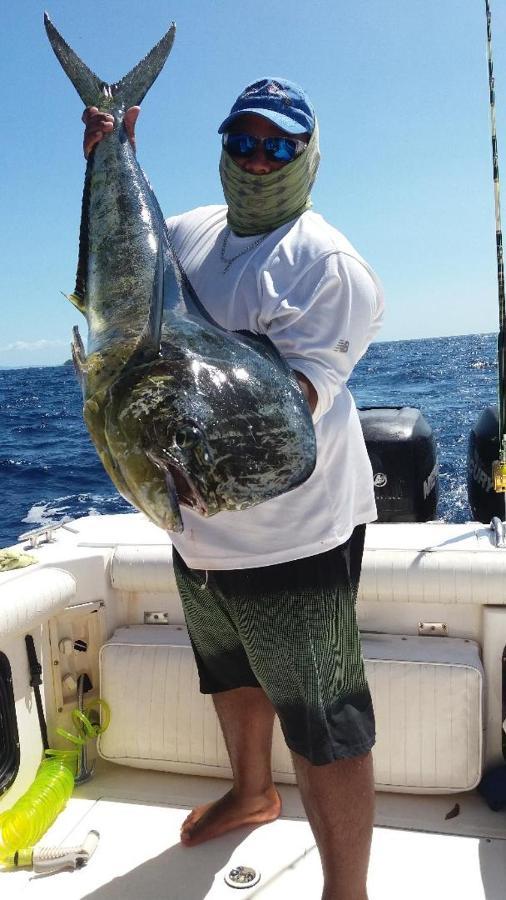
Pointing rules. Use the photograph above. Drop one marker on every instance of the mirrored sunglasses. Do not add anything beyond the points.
(276, 149)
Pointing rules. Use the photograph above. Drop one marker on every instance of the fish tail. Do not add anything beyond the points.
(130, 91)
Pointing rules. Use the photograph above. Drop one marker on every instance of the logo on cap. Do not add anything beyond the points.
(272, 88)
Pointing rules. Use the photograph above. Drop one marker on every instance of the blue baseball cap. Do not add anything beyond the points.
(282, 102)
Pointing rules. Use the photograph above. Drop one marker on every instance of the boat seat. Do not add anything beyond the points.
(31, 599)
(433, 576)
(145, 571)
(427, 694)
(142, 568)
(410, 575)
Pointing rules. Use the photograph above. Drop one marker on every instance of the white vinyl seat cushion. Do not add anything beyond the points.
(427, 694)
(32, 598)
(418, 563)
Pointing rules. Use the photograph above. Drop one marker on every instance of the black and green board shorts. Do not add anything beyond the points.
(291, 630)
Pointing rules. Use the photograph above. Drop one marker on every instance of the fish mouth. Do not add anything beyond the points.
(180, 485)
(187, 493)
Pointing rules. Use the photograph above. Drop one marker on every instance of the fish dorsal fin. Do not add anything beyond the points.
(178, 288)
(179, 295)
(262, 344)
(191, 298)
(94, 91)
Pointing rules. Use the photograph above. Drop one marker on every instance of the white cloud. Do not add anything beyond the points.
(30, 346)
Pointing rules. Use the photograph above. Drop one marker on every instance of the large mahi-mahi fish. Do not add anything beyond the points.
(180, 410)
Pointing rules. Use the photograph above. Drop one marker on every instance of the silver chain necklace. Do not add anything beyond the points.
(228, 262)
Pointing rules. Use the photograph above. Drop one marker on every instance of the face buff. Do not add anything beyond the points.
(260, 203)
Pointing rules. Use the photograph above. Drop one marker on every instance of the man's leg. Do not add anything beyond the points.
(339, 803)
(245, 713)
(246, 717)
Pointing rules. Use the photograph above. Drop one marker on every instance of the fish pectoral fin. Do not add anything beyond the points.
(79, 356)
(76, 301)
(78, 346)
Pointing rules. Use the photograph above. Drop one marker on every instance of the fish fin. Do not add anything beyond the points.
(187, 293)
(88, 85)
(78, 343)
(194, 308)
(148, 344)
(178, 291)
(92, 89)
(134, 86)
(191, 298)
(262, 342)
(76, 301)
(79, 356)
(177, 286)
(82, 259)
(154, 323)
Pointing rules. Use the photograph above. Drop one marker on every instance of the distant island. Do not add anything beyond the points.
(68, 362)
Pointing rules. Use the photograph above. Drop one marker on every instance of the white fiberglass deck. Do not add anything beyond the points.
(138, 815)
(435, 847)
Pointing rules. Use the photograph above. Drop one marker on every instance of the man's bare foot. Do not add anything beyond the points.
(229, 812)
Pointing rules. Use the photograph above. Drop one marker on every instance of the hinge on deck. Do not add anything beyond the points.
(156, 617)
(433, 629)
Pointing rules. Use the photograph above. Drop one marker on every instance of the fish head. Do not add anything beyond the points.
(221, 435)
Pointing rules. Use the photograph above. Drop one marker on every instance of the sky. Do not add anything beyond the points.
(401, 93)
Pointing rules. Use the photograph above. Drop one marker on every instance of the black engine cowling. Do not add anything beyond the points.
(403, 456)
(483, 449)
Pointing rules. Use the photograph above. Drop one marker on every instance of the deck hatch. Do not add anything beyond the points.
(9, 740)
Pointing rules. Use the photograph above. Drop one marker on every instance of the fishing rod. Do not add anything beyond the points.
(499, 466)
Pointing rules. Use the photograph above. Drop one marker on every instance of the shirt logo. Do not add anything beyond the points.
(342, 346)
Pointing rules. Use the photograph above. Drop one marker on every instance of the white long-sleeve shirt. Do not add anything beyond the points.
(308, 289)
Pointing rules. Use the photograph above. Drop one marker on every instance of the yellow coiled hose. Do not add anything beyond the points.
(31, 816)
(27, 821)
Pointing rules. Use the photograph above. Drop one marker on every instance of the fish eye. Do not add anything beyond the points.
(187, 437)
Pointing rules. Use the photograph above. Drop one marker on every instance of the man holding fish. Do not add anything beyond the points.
(269, 592)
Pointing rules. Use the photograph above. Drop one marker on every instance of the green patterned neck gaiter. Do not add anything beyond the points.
(261, 203)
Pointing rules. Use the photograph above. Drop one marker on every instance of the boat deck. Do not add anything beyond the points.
(417, 852)
(435, 847)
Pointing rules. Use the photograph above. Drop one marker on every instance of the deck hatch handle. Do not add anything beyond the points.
(156, 617)
(433, 629)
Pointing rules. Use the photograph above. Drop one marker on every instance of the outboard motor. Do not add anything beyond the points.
(483, 449)
(403, 456)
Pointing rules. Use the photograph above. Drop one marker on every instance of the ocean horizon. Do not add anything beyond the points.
(68, 361)
(49, 468)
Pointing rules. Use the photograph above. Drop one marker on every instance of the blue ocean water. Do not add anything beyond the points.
(49, 468)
